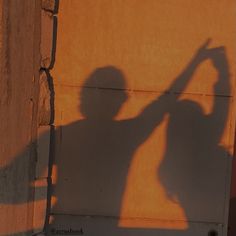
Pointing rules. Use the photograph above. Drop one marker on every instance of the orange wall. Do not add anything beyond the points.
(151, 42)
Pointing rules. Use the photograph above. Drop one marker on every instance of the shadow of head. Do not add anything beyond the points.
(103, 93)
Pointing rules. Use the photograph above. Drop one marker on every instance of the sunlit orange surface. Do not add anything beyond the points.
(151, 42)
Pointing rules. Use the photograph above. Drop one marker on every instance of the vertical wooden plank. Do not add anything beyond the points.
(20, 31)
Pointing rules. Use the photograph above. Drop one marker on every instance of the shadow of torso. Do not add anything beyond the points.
(194, 169)
(94, 165)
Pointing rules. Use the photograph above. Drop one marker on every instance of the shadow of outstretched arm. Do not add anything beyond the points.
(18, 186)
(153, 114)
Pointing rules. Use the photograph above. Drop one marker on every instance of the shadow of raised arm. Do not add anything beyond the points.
(153, 114)
(221, 89)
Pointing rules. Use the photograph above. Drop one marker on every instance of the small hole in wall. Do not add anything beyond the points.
(213, 233)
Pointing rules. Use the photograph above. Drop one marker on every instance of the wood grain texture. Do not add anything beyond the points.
(20, 31)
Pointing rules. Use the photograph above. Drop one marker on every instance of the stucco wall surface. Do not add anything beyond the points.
(144, 116)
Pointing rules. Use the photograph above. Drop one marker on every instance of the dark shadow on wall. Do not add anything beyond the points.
(193, 145)
(96, 152)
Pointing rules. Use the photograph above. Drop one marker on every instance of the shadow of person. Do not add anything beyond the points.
(96, 151)
(94, 154)
(195, 164)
